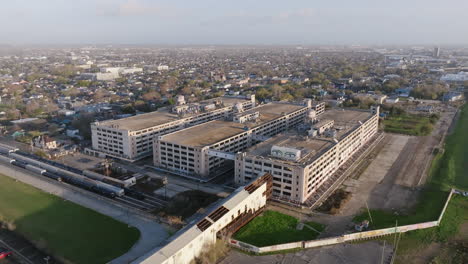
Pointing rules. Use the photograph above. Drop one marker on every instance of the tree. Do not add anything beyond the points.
(186, 90)
(83, 83)
(61, 80)
(286, 97)
(65, 71)
(128, 109)
(142, 106)
(99, 95)
(151, 96)
(33, 108)
(72, 91)
(82, 123)
(429, 91)
(53, 129)
(390, 86)
(425, 129)
(263, 94)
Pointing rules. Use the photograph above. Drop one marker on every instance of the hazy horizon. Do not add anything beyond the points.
(242, 22)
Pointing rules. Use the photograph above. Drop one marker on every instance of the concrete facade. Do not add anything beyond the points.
(132, 138)
(297, 180)
(203, 150)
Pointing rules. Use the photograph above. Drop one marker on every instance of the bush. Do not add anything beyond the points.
(425, 129)
(212, 253)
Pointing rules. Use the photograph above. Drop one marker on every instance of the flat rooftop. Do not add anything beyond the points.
(162, 116)
(312, 147)
(205, 134)
(210, 133)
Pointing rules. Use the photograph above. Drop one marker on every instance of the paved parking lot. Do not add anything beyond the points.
(343, 253)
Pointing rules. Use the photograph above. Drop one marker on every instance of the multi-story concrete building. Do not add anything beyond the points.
(302, 160)
(208, 149)
(132, 138)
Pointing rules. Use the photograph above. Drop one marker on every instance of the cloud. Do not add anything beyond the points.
(139, 8)
(299, 13)
(134, 8)
(252, 18)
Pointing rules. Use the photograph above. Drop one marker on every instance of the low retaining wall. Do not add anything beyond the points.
(281, 247)
(343, 238)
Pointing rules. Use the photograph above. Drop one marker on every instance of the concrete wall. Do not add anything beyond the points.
(192, 241)
(281, 247)
(333, 240)
(343, 238)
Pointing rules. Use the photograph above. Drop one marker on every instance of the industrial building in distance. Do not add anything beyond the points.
(206, 150)
(132, 138)
(301, 160)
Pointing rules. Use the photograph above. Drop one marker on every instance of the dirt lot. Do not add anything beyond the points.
(80, 161)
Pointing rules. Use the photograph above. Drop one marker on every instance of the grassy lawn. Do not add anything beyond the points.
(316, 226)
(275, 228)
(408, 124)
(448, 170)
(62, 228)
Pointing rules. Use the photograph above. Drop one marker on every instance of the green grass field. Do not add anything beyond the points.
(408, 124)
(448, 170)
(64, 229)
(275, 228)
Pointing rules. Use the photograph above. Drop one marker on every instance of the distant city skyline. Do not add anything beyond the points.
(274, 22)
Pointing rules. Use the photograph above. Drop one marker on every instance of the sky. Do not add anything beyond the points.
(228, 22)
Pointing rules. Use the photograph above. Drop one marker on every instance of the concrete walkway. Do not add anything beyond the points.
(152, 233)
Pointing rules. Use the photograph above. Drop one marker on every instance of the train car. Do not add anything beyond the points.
(91, 184)
(7, 149)
(77, 181)
(47, 164)
(53, 176)
(30, 161)
(118, 191)
(19, 164)
(105, 179)
(134, 194)
(6, 159)
(105, 192)
(35, 169)
(69, 173)
(93, 175)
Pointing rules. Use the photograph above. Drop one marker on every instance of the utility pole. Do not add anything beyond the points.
(383, 252)
(368, 211)
(395, 242)
(165, 182)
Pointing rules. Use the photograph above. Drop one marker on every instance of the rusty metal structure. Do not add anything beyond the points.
(250, 214)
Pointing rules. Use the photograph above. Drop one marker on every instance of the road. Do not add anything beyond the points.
(152, 233)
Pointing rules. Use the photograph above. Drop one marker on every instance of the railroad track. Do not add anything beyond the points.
(127, 201)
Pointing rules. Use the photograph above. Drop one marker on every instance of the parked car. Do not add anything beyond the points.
(4, 253)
